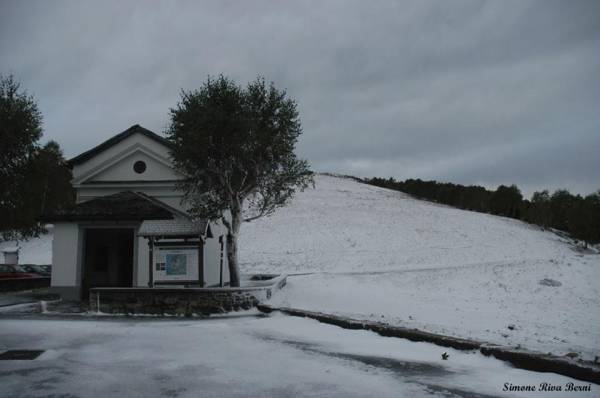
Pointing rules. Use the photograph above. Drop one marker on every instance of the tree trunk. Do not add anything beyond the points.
(232, 247)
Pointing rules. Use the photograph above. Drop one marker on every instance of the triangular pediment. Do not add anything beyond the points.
(135, 130)
(136, 163)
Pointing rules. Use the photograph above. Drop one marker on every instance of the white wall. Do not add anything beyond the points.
(212, 251)
(140, 278)
(123, 170)
(95, 178)
(65, 252)
(222, 230)
(211, 261)
(117, 152)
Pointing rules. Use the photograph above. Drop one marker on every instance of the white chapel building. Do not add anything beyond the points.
(129, 227)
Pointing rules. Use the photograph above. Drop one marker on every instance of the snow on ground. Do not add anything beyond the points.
(244, 356)
(383, 255)
(32, 251)
(378, 254)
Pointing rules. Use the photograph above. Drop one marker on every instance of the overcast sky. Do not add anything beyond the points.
(472, 92)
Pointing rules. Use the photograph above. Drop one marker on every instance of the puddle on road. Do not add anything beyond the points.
(15, 355)
(420, 373)
(396, 366)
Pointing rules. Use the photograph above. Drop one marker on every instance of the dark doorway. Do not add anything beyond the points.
(107, 258)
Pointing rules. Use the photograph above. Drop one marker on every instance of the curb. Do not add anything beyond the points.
(11, 304)
(523, 359)
(8, 307)
(540, 362)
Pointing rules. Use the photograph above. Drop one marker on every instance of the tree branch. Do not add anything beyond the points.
(226, 223)
(262, 213)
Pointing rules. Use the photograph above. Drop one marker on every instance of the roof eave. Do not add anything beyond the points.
(87, 218)
(136, 128)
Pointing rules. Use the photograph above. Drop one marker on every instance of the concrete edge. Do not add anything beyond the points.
(11, 307)
(520, 358)
(15, 304)
(275, 283)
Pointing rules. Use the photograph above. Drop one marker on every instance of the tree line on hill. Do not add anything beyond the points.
(577, 215)
(34, 178)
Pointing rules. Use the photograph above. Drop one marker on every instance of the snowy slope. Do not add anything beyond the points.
(375, 253)
(378, 254)
(344, 226)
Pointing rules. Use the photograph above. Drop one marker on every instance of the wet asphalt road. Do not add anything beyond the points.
(239, 356)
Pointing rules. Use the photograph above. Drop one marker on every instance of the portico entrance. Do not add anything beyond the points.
(107, 258)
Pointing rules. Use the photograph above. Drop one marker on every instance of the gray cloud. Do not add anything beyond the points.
(465, 91)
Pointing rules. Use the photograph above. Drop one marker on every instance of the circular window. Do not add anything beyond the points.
(139, 167)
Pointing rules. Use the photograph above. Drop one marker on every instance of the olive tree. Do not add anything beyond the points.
(235, 148)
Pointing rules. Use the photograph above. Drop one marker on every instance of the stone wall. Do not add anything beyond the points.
(180, 301)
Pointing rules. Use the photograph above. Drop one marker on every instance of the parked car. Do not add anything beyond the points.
(42, 270)
(47, 268)
(15, 271)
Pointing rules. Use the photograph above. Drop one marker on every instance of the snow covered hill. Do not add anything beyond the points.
(345, 226)
(378, 254)
(374, 253)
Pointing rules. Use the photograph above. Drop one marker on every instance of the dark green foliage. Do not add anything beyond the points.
(505, 201)
(561, 210)
(49, 186)
(538, 210)
(235, 147)
(33, 179)
(20, 127)
(583, 218)
(560, 203)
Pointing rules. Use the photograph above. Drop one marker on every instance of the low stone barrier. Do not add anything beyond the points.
(520, 358)
(541, 362)
(16, 284)
(186, 301)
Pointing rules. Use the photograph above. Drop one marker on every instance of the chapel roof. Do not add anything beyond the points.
(122, 206)
(135, 129)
